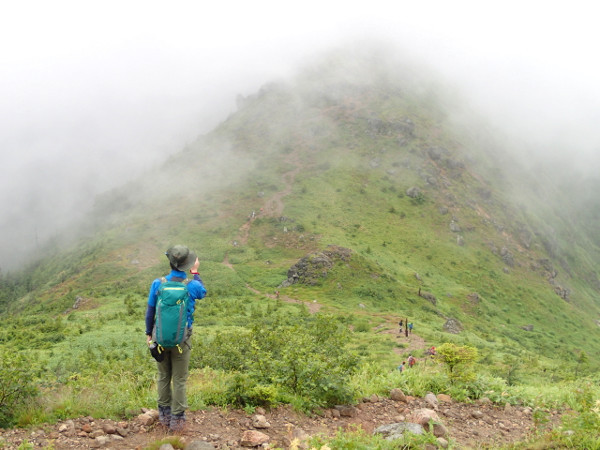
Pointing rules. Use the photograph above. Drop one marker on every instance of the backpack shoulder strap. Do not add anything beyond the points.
(180, 280)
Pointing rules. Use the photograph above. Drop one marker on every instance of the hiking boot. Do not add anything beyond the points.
(164, 415)
(177, 422)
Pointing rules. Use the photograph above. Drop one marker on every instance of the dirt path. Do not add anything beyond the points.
(470, 426)
(273, 206)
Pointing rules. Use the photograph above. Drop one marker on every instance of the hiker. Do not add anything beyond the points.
(401, 366)
(410, 327)
(173, 362)
(411, 361)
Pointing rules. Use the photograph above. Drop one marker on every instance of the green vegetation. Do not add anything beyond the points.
(17, 384)
(280, 358)
(458, 360)
(320, 167)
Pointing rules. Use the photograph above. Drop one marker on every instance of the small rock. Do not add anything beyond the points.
(397, 395)
(439, 430)
(67, 428)
(252, 438)
(109, 428)
(199, 445)
(477, 414)
(260, 421)
(166, 447)
(444, 398)
(96, 433)
(101, 441)
(431, 400)
(442, 442)
(395, 430)
(422, 416)
(145, 419)
(347, 410)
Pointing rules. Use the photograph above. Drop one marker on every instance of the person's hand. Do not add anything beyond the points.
(148, 339)
(194, 268)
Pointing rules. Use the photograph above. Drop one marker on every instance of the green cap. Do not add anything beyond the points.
(181, 257)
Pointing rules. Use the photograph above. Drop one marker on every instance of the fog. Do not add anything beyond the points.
(94, 94)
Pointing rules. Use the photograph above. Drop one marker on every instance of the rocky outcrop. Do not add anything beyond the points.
(453, 326)
(314, 267)
(413, 192)
(428, 296)
(380, 127)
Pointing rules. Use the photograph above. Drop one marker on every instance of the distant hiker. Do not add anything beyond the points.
(411, 361)
(401, 323)
(401, 366)
(430, 352)
(410, 327)
(276, 294)
(173, 359)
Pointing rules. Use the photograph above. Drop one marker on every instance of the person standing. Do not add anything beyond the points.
(410, 327)
(173, 367)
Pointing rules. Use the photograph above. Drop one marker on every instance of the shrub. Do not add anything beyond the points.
(458, 360)
(306, 358)
(17, 384)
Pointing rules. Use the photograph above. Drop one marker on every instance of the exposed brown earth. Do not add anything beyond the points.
(480, 425)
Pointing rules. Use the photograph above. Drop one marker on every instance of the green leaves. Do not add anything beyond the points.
(306, 357)
(459, 360)
(17, 383)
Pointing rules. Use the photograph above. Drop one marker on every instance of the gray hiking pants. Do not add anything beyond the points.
(172, 377)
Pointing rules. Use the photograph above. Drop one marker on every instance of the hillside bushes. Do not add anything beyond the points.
(306, 359)
(17, 384)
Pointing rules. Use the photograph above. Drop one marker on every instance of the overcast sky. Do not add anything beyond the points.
(94, 92)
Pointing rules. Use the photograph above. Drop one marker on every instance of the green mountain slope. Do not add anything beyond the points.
(364, 156)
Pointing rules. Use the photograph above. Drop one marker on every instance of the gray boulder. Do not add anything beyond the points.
(396, 430)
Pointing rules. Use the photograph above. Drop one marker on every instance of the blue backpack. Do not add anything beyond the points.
(171, 313)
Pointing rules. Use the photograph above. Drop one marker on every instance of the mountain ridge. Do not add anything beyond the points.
(379, 166)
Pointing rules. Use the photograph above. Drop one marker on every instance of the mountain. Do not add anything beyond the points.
(362, 185)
